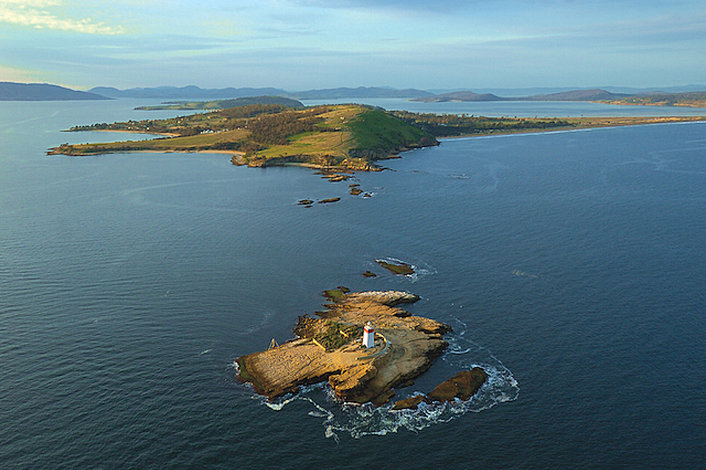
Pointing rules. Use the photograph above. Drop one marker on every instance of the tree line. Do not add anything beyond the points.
(449, 125)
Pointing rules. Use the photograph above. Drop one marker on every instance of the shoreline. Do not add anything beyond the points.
(674, 105)
(125, 131)
(220, 152)
(661, 120)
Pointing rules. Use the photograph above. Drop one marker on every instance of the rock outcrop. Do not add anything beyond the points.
(462, 386)
(410, 403)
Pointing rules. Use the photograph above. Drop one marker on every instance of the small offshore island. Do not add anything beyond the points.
(329, 348)
(332, 137)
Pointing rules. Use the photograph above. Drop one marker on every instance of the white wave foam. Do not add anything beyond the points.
(518, 273)
(282, 403)
(365, 420)
(453, 351)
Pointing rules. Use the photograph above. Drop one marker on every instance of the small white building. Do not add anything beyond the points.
(369, 335)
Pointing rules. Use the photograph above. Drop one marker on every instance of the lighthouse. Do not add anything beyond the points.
(369, 335)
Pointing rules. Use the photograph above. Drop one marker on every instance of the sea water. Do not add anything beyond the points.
(569, 264)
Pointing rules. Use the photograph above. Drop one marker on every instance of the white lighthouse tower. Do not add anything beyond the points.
(369, 335)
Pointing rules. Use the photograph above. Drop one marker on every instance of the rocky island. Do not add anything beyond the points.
(329, 348)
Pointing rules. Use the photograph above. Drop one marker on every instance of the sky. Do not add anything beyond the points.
(306, 44)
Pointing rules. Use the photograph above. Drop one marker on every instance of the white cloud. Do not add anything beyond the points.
(31, 3)
(34, 13)
(12, 74)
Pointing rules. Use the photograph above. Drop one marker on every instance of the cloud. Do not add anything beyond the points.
(31, 3)
(387, 4)
(35, 14)
(12, 74)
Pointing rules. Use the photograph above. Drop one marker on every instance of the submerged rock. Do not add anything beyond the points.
(337, 178)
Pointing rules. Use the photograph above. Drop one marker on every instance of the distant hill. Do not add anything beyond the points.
(577, 95)
(194, 92)
(224, 104)
(659, 89)
(11, 91)
(187, 92)
(571, 95)
(359, 92)
(459, 96)
(695, 99)
(531, 91)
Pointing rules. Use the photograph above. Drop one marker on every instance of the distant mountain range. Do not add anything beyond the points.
(360, 92)
(186, 92)
(194, 92)
(459, 96)
(687, 99)
(573, 95)
(530, 91)
(534, 94)
(10, 91)
(578, 95)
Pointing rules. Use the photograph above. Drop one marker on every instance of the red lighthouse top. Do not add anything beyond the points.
(368, 328)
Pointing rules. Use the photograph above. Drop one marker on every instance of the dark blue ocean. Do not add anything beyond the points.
(571, 265)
